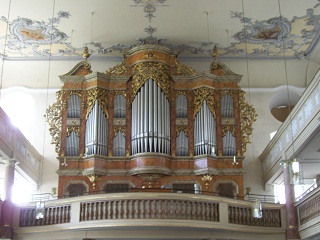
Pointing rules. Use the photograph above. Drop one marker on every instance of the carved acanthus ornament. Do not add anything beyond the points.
(71, 129)
(74, 92)
(156, 71)
(180, 128)
(248, 116)
(121, 129)
(181, 92)
(227, 128)
(54, 117)
(200, 95)
(118, 70)
(97, 94)
(182, 69)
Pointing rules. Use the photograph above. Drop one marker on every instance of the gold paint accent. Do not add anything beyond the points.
(97, 94)
(215, 55)
(248, 116)
(121, 129)
(156, 71)
(75, 129)
(226, 128)
(191, 154)
(86, 53)
(94, 179)
(151, 56)
(182, 69)
(120, 93)
(73, 92)
(202, 94)
(207, 179)
(180, 128)
(118, 70)
(54, 119)
(181, 92)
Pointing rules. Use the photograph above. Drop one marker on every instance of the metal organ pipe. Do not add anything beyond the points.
(150, 120)
(204, 131)
(96, 139)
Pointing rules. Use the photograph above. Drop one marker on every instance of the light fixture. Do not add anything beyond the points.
(39, 210)
(257, 209)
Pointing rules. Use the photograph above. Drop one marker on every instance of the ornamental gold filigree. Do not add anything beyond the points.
(121, 129)
(200, 95)
(182, 69)
(54, 118)
(180, 128)
(71, 129)
(227, 128)
(73, 92)
(248, 116)
(156, 71)
(181, 92)
(118, 70)
(97, 94)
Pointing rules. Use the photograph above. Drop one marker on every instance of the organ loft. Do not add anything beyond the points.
(151, 124)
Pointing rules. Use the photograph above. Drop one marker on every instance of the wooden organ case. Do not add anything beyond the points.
(151, 124)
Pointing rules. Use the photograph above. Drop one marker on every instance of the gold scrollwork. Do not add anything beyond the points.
(180, 128)
(121, 129)
(227, 128)
(54, 118)
(200, 95)
(120, 93)
(75, 129)
(118, 70)
(97, 94)
(73, 92)
(182, 69)
(181, 92)
(248, 116)
(143, 71)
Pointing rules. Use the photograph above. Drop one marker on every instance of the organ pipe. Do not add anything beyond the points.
(74, 103)
(229, 144)
(96, 132)
(72, 145)
(204, 131)
(227, 109)
(150, 120)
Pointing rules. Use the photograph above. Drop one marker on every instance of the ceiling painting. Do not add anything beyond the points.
(273, 37)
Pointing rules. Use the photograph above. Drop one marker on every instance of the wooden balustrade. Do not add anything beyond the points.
(150, 209)
(52, 215)
(243, 216)
(309, 210)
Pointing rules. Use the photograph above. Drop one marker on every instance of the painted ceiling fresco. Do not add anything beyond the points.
(22, 36)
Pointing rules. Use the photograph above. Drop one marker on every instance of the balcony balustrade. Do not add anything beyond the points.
(178, 210)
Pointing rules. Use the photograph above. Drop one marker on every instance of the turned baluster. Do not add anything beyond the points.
(109, 210)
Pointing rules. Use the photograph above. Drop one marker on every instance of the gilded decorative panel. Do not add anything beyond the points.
(200, 95)
(97, 94)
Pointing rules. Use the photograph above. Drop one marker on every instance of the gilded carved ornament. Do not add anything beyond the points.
(180, 128)
(121, 129)
(74, 92)
(181, 92)
(227, 128)
(97, 94)
(120, 93)
(156, 71)
(200, 95)
(54, 118)
(75, 129)
(118, 70)
(182, 69)
(248, 116)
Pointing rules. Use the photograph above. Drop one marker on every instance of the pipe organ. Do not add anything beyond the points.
(151, 123)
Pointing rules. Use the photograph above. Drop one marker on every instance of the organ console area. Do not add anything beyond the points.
(151, 123)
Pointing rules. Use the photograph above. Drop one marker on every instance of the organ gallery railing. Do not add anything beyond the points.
(151, 208)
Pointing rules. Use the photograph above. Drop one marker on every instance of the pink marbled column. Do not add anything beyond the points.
(291, 212)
